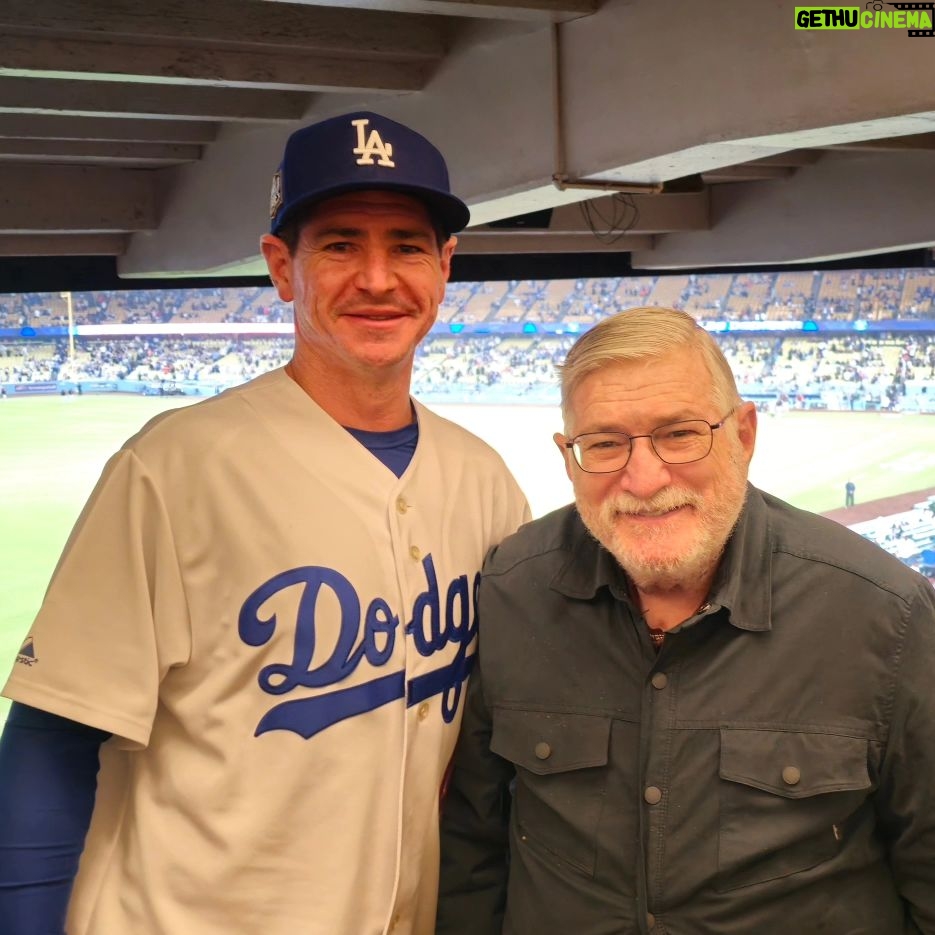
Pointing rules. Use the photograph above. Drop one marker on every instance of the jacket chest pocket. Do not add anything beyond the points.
(561, 779)
(785, 801)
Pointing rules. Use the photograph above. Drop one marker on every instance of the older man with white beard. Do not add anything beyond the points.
(696, 710)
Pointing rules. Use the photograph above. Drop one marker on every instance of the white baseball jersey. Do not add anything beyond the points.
(277, 631)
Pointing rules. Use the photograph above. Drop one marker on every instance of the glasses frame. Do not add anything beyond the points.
(572, 443)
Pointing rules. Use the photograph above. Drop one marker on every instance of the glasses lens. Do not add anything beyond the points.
(602, 452)
(681, 442)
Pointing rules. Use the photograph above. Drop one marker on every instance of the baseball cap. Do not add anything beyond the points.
(361, 151)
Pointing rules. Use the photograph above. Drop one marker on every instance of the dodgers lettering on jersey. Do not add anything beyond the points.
(429, 628)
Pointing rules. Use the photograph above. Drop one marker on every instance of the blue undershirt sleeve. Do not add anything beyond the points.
(48, 779)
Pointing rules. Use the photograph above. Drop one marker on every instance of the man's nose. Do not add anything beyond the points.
(376, 274)
(645, 473)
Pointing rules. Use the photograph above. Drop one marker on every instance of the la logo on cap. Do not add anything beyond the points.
(370, 146)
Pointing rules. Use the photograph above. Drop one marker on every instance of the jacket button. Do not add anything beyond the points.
(542, 750)
(650, 921)
(652, 795)
(791, 775)
(659, 680)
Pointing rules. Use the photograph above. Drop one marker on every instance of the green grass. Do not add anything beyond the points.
(808, 457)
(52, 450)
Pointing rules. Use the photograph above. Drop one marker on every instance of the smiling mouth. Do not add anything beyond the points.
(376, 316)
(654, 514)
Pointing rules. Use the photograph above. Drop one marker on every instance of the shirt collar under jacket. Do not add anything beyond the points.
(743, 584)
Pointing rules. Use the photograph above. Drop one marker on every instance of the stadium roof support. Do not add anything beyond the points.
(149, 132)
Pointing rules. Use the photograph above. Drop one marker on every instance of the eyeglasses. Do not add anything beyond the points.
(674, 443)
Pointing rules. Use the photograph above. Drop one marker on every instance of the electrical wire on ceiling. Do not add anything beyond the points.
(623, 216)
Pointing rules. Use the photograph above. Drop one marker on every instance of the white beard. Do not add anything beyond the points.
(643, 554)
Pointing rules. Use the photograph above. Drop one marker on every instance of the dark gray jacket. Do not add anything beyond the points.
(771, 771)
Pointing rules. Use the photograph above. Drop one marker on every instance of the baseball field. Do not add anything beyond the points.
(52, 449)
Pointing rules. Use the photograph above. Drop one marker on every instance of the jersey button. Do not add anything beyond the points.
(415, 552)
(423, 711)
(401, 505)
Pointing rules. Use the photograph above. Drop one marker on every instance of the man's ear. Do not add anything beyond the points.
(746, 428)
(448, 248)
(279, 263)
(444, 260)
(567, 456)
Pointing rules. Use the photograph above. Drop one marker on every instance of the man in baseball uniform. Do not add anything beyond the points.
(258, 636)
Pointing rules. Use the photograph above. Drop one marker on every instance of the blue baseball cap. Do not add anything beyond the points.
(361, 151)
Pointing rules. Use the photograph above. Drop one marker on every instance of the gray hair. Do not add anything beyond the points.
(641, 334)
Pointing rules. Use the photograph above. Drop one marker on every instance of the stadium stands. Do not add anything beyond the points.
(918, 295)
(668, 290)
(909, 535)
(792, 294)
(854, 369)
(845, 295)
(888, 373)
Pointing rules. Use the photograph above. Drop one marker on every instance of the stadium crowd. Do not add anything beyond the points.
(849, 295)
(223, 361)
(876, 370)
(852, 372)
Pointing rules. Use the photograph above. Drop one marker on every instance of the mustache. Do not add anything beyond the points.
(665, 500)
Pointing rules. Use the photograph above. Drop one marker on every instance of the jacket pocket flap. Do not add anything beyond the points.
(793, 764)
(546, 742)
